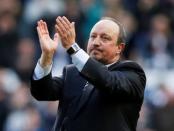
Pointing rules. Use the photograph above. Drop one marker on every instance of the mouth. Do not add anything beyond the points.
(95, 53)
(96, 50)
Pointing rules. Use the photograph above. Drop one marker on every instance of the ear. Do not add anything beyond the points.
(120, 48)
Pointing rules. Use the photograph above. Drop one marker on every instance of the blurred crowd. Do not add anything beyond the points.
(150, 41)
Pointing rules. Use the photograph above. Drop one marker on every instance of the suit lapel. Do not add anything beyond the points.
(87, 90)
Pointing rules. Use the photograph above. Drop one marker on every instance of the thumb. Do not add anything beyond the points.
(73, 24)
(56, 37)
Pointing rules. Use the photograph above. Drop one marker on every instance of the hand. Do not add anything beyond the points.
(48, 45)
(66, 31)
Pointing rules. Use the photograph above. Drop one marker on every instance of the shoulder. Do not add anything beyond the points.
(131, 68)
(128, 65)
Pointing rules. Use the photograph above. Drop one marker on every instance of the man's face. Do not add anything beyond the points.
(102, 43)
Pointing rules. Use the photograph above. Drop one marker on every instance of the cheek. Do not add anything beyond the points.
(88, 47)
(109, 51)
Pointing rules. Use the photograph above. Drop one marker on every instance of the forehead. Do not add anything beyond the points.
(106, 26)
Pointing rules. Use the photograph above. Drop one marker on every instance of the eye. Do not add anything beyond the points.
(105, 38)
(92, 36)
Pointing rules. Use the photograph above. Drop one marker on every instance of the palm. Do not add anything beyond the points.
(47, 44)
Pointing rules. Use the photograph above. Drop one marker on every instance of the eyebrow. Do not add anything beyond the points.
(103, 34)
(106, 35)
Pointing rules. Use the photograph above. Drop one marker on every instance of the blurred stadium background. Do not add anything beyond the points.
(150, 42)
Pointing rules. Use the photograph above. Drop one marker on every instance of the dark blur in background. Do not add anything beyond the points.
(150, 42)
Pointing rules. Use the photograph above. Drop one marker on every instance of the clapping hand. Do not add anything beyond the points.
(66, 31)
(48, 45)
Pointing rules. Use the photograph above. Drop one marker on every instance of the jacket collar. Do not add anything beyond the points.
(111, 66)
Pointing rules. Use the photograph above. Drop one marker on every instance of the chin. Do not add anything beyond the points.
(99, 59)
(95, 56)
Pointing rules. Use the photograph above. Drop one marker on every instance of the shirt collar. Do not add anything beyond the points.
(108, 65)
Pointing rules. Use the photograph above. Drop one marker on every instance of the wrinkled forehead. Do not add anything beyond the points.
(106, 26)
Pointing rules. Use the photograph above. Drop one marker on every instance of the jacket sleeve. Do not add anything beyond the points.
(48, 88)
(124, 80)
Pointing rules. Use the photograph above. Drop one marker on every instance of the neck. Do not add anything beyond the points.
(114, 60)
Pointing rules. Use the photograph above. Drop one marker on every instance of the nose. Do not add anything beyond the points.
(96, 41)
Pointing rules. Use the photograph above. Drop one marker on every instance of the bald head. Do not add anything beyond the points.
(108, 27)
(122, 32)
(104, 43)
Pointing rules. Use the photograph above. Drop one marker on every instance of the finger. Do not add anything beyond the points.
(73, 25)
(56, 37)
(67, 26)
(38, 32)
(41, 26)
(59, 31)
(56, 28)
(45, 28)
(60, 25)
(66, 20)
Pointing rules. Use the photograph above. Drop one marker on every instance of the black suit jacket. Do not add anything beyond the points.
(97, 98)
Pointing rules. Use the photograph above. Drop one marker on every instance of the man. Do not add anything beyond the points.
(98, 92)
